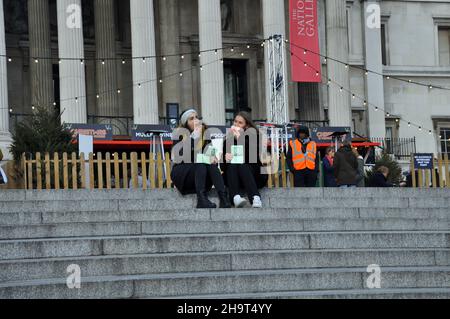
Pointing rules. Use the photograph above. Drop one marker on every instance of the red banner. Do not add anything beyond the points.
(304, 37)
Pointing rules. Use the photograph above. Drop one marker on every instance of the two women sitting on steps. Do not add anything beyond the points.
(196, 162)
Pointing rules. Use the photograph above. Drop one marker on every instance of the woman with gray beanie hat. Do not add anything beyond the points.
(190, 176)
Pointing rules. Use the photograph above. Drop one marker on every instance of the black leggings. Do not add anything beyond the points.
(200, 178)
(239, 175)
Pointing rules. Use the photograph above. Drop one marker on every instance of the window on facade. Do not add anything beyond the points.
(383, 44)
(444, 45)
(444, 133)
(236, 91)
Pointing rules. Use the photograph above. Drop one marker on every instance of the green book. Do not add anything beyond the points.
(238, 154)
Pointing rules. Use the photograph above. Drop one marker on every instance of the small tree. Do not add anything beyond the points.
(395, 171)
(42, 132)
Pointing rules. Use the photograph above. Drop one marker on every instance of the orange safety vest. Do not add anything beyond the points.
(301, 160)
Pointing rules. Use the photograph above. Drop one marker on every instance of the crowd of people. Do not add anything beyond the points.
(235, 175)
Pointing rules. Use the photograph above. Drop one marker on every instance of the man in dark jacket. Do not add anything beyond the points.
(379, 179)
(345, 166)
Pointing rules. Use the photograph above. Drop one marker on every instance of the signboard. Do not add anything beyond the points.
(325, 134)
(423, 161)
(100, 132)
(304, 35)
(146, 132)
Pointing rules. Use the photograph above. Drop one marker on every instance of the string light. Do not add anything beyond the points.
(10, 59)
(182, 57)
(119, 91)
(354, 95)
(242, 54)
(215, 51)
(181, 73)
(36, 61)
(232, 49)
(248, 46)
(369, 71)
(123, 61)
(81, 61)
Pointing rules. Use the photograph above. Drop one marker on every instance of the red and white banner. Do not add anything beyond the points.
(304, 35)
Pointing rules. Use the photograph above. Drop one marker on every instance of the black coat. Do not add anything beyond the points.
(379, 180)
(253, 160)
(181, 170)
(328, 173)
(345, 166)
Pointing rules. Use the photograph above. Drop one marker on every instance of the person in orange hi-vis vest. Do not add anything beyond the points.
(303, 159)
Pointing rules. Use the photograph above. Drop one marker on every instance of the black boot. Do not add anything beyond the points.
(204, 202)
(224, 201)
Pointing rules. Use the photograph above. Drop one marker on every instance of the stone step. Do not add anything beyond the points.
(204, 215)
(119, 265)
(83, 229)
(80, 195)
(404, 293)
(122, 245)
(228, 282)
(93, 205)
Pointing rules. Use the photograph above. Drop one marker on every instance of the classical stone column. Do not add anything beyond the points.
(273, 24)
(5, 136)
(71, 72)
(145, 98)
(375, 87)
(40, 54)
(106, 70)
(212, 81)
(339, 107)
(170, 44)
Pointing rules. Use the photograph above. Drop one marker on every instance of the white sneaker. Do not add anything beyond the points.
(257, 203)
(239, 202)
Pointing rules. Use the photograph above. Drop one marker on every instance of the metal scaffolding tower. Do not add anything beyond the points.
(277, 111)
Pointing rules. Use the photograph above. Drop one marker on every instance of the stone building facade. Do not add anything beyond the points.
(104, 84)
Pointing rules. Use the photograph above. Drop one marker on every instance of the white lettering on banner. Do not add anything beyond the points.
(304, 15)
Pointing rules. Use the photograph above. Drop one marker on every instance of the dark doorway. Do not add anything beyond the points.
(236, 88)
(56, 86)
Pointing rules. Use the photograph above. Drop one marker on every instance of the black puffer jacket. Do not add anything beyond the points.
(345, 166)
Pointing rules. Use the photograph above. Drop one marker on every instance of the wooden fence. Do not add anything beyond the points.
(439, 177)
(113, 171)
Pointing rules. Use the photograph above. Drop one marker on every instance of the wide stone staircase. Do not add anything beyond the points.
(305, 243)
